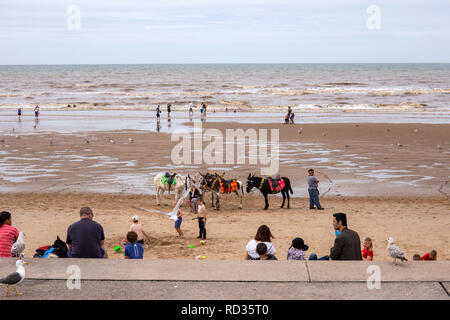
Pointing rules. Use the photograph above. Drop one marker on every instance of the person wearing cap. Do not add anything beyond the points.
(137, 227)
(296, 250)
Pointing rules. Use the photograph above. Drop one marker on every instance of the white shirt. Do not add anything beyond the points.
(251, 248)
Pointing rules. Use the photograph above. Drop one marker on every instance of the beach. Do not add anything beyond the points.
(391, 179)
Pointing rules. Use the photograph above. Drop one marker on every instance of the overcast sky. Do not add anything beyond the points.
(223, 31)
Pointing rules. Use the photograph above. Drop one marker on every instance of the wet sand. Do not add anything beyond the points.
(350, 159)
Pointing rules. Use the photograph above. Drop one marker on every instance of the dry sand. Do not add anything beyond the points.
(418, 224)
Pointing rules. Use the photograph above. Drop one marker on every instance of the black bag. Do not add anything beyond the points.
(60, 248)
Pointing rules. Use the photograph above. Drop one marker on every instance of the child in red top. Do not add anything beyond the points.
(367, 252)
(430, 256)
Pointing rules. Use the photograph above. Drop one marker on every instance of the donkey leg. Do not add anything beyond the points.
(157, 197)
(284, 198)
(240, 198)
(287, 194)
(217, 202)
(267, 202)
(212, 199)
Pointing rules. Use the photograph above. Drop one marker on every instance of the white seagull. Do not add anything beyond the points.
(19, 246)
(394, 251)
(15, 278)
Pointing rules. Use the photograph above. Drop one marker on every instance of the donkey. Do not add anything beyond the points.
(217, 185)
(165, 182)
(270, 186)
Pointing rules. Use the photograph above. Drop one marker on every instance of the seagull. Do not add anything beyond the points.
(15, 278)
(111, 140)
(399, 145)
(19, 246)
(324, 134)
(438, 146)
(416, 130)
(131, 140)
(394, 251)
(300, 130)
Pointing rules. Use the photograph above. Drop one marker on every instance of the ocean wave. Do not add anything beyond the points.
(365, 91)
(180, 105)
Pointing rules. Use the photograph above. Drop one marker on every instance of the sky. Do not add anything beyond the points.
(223, 31)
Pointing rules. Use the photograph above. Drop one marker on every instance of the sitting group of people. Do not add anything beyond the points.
(347, 245)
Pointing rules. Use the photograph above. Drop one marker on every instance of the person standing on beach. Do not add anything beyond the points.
(19, 112)
(168, 109)
(313, 190)
(8, 234)
(36, 112)
(347, 245)
(85, 238)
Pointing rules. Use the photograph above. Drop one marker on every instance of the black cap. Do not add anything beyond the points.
(298, 243)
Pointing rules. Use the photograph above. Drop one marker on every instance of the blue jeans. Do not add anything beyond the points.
(314, 198)
(313, 256)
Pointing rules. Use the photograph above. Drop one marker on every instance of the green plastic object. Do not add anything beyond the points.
(118, 249)
(191, 246)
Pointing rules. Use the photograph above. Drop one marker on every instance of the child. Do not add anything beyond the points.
(133, 250)
(137, 227)
(430, 256)
(416, 257)
(367, 252)
(178, 223)
(296, 252)
(261, 249)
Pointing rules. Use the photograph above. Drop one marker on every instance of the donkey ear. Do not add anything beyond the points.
(249, 176)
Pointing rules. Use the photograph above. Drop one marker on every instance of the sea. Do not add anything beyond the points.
(244, 87)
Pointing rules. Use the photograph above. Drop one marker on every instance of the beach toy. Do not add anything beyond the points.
(191, 246)
(117, 249)
(202, 243)
(200, 257)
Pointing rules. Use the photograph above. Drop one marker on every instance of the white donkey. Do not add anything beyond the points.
(182, 183)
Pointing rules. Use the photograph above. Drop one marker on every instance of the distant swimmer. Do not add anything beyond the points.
(74, 105)
(158, 112)
(69, 106)
(36, 112)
